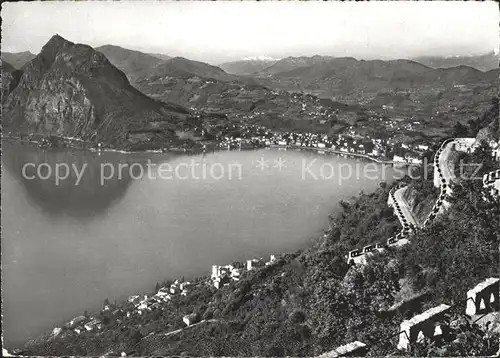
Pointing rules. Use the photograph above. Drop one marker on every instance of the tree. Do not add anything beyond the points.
(459, 130)
(135, 335)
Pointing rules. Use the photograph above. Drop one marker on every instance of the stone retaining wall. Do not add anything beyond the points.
(424, 325)
(484, 297)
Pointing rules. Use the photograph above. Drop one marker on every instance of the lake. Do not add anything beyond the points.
(98, 231)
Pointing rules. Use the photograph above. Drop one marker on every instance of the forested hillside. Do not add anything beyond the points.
(312, 301)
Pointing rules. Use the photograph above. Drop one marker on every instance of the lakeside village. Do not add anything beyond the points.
(348, 144)
(137, 305)
(250, 136)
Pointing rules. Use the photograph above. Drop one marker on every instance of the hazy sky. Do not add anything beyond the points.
(220, 31)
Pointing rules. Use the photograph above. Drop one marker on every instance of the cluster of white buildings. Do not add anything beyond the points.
(349, 142)
(407, 159)
(411, 153)
(223, 275)
(141, 304)
(322, 141)
(164, 295)
(79, 325)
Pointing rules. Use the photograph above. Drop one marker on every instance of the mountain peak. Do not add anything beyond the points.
(84, 96)
(58, 40)
(52, 47)
(181, 59)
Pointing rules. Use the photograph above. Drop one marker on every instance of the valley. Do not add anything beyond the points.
(397, 101)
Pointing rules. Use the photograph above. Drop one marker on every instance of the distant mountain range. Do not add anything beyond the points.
(160, 56)
(133, 63)
(269, 66)
(341, 77)
(358, 83)
(181, 67)
(17, 59)
(348, 68)
(484, 62)
(138, 65)
(292, 63)
(73, 90)
(247, 66)
(79, 91)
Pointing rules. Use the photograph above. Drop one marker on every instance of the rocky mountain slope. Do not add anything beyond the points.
(10, 78)
(72, 90)
(17, 59)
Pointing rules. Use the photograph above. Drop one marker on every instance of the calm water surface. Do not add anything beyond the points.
(67, 247)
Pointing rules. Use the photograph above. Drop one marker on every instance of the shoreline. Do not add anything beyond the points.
(203, 150)
(366, 157)
(32, 143)
(329, 150)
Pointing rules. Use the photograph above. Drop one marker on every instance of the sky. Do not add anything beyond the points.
(218, 31)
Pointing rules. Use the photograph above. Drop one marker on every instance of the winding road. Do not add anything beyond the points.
(442, 168)
(443, 176)
(404, 208)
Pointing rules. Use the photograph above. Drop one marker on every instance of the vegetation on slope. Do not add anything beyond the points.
(310, 302)
(421, 194)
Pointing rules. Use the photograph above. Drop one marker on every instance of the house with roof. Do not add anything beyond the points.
(94, 324)
(191, 319)
(134, 298)
(254, 263)
(222, 281)
(398, 159)
(412, 159)
(272, 259)
(76, 321)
